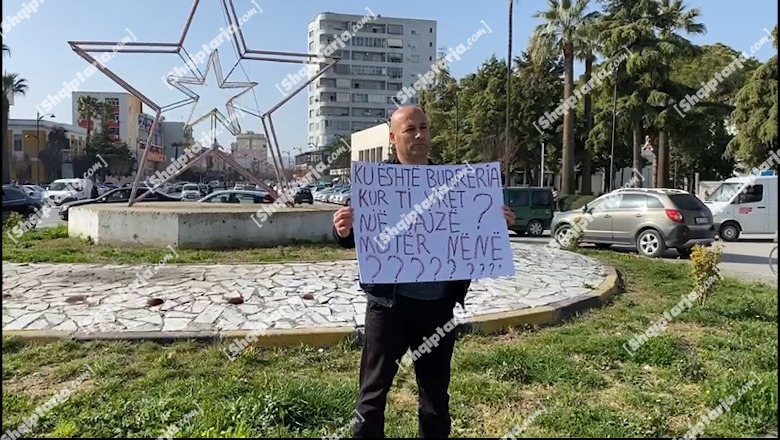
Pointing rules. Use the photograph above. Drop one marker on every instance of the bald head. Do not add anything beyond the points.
(409, 132)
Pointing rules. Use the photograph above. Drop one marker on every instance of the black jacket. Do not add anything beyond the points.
(385, 293)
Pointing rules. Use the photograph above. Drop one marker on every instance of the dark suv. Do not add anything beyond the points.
(303, 195)
(15, 199)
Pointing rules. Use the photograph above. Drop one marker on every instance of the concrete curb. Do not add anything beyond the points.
(554, 313)
(328, 337)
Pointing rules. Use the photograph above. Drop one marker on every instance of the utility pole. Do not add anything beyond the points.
(541, 176)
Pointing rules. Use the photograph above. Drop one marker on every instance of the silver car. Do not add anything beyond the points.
(652, 220)
(191, 191)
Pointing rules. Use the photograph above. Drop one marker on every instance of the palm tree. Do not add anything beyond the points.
(587, 46)
(563, 22)
(105, 111)
(12, 85)
(670, 18)
(6, 148)
(88, 109)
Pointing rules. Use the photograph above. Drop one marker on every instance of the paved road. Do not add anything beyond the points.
(746, 259)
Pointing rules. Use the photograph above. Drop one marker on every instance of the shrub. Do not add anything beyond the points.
(704, 270)
(573, 237)
(13, 219)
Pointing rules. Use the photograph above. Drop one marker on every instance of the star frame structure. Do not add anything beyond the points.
(178, 82)
(84, 49)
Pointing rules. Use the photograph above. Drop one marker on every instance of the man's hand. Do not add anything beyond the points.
(343, 220)
(509, 216)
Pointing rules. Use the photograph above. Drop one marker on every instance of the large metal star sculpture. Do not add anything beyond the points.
(85, 48)
(231, 122)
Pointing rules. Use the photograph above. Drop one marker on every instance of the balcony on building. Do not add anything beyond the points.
(372, 28)
(367, 84)
(333, 111)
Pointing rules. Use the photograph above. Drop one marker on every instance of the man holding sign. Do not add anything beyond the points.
(423, 233)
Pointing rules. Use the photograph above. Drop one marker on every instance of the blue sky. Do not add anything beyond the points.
(40, 52)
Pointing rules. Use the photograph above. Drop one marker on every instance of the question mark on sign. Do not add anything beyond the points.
(399, 267)
(472, 269)
(492, 267)
(490, 204)
(435, 274)
(453, 267)
(422, 268)
(379, 266)
(481, 268)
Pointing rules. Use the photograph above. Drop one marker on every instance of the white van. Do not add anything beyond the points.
(744, 205)
(68, 190)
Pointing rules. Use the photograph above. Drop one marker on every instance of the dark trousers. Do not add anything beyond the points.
(389, 332)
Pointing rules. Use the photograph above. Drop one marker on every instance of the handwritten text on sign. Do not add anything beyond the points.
(429, 223)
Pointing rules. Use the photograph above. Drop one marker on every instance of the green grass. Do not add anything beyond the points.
(579, 371)
(52, 245)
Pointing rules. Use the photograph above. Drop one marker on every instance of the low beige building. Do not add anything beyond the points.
(371, 144)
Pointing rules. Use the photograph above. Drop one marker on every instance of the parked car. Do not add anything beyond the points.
(343, 198)
(191, 191)
(652, 220)
(68, 190)
(746, 204)
(119, 195)
(15, 199)
(34, 191)
(322, 196)
(303, 195)
(237, 196)
(533, 208)
(332, 196)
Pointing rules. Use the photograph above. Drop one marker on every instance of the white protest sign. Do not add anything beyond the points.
(416, 223)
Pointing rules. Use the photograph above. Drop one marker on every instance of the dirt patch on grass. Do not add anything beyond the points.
(42, 384)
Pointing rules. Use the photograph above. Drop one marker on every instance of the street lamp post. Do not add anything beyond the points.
(38, 128)
(612, 148)
(541, 175)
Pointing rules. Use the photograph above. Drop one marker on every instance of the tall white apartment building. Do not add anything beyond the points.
(381, 58)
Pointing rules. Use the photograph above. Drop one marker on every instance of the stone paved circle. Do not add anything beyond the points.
(275, 296)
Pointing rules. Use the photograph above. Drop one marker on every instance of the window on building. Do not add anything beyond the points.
(395, 29)
(430, 44)
(431, 30)
(395, 43)
(395, 58)
(18, 142)
(395, 72)
(414, 58)
(414, 32)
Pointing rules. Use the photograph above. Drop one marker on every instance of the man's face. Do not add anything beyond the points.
(411, 136)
